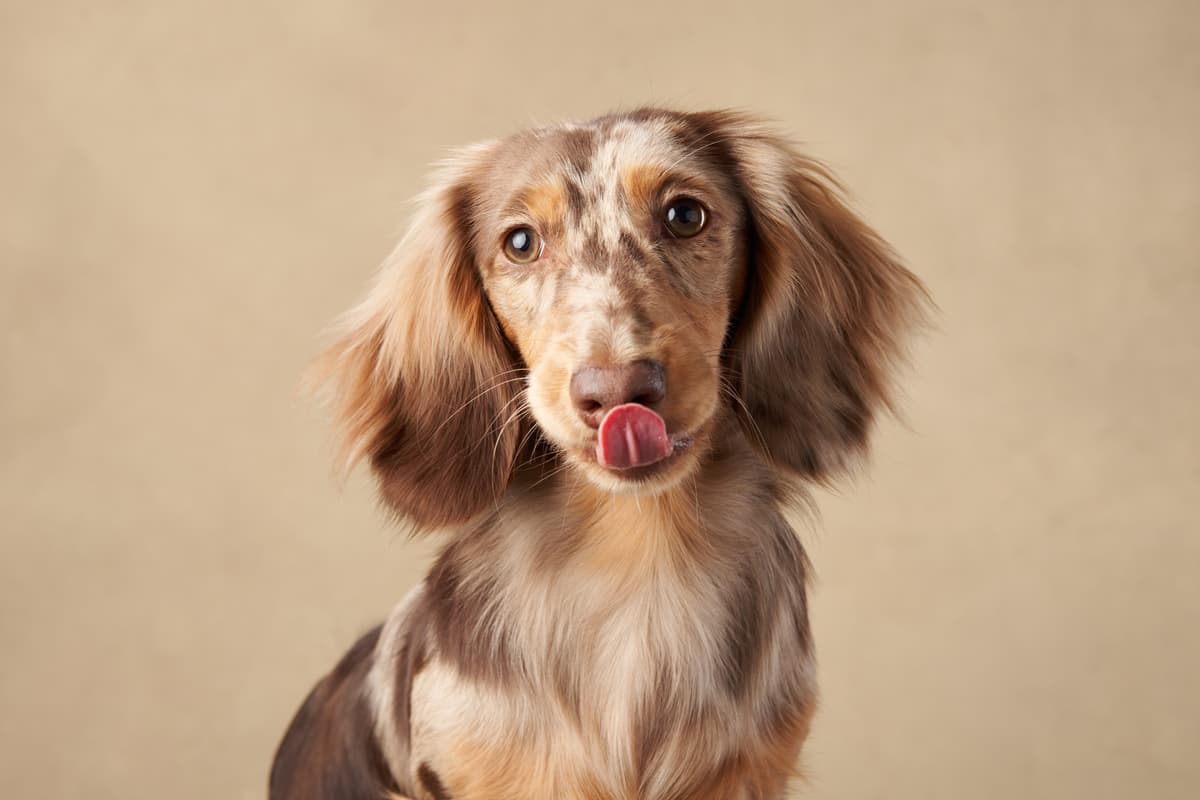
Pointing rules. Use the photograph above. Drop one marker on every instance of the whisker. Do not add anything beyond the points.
(474, 445)
(525, 438)
(518, 397)
(729, 391)
(514, 415)
(551, 474)
(490, 388)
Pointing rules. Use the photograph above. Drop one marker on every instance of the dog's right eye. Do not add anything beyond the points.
(522, 245)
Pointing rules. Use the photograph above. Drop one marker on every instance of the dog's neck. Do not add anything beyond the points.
(555, 516)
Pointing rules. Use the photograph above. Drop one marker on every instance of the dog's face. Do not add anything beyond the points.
(613, 260)
(625, 283)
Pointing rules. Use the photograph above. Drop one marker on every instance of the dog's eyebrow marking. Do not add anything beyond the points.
(545, 202)
(431, 783)
(642, 182)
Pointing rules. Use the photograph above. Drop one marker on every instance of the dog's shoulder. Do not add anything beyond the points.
(330, 749)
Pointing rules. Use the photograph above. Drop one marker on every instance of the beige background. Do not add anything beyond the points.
(1008, 604)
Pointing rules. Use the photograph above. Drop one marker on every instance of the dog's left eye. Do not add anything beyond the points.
(685, 217)
(522, 245)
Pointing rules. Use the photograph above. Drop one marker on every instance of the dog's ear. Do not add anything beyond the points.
(825, 310)
(421, 375)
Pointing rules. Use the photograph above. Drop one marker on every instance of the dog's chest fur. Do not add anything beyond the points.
(648, 662)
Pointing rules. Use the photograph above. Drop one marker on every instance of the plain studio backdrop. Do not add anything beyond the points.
(1007, 602)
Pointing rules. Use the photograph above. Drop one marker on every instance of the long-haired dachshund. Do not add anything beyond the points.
(603, 361)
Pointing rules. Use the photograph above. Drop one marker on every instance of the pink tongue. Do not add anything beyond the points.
(632, 436)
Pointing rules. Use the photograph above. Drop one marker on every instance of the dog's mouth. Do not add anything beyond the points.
(632, 443)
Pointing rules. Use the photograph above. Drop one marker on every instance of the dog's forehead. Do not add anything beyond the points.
(598, 150)
(628, 143)
(581, 166)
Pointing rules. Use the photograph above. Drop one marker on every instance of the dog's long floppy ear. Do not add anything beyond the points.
(421, 376)
(826, 307)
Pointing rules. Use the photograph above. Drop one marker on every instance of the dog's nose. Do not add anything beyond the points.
(596, 390)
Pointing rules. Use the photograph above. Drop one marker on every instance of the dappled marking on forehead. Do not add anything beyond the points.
(587, 187)
(576, 202)
(588, 159)
(628, 144)
(639, 159)
(576, 145)
(631, 248)
(601, 194)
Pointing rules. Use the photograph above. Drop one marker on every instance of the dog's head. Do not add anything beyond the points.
(614, 290)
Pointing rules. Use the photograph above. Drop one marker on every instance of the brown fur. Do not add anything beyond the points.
(583, 633)
(330, 748)
(392, 405)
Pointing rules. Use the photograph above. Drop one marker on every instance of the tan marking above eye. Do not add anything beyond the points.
(685, 217)
(642, 183)
(522, 245)
(545, 202)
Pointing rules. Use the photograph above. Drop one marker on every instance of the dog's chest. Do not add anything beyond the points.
(621, 697)
(635, 675)
(639, 651)
(626, 672)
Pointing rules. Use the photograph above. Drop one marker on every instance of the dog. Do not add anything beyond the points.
(603, 362)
